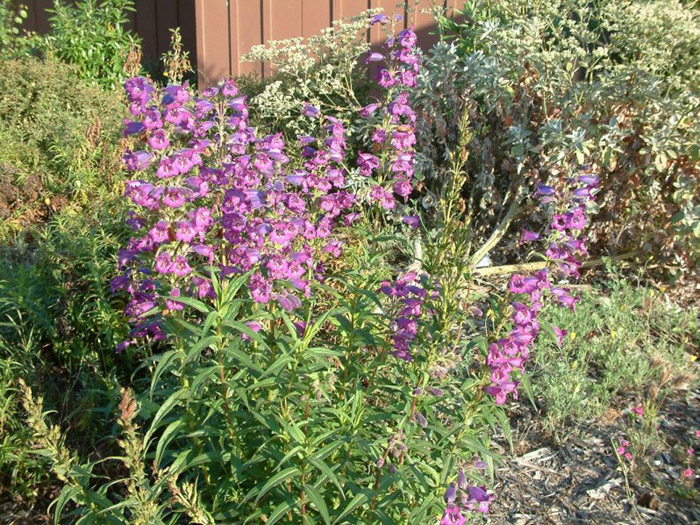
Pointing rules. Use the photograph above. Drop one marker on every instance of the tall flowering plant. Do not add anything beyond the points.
(285, 390)
(280, 393)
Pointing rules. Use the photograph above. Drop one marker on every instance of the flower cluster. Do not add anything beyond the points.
(214, 195)
(566, 246)
(471, 498)
(411, 296)
(623, 450)
(393, 137)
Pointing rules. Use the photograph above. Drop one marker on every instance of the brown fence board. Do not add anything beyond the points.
(320, 17)
(166, 18)
(147, 28)
(213, 40)
(248, 31)
(188, 27)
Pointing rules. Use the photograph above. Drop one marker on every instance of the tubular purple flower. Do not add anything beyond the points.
(450, 493)
(378, 19)
(309, 111)
(453, 516)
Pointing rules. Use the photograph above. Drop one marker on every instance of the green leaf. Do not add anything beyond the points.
(279, 512)
(359, 500)
(194, 303)
(317, 500)
(197, 348)
(243, 329)
(282, 361)
(67, 494)
(327, 471)
(243, 358)
(163, 411)
(167, 359)
(168, 435)
(275, 480)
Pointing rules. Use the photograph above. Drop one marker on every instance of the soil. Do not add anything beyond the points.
(578, 480)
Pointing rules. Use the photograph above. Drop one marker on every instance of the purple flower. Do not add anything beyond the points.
(163, 263)
(158, 140)
(367, 163)
(366, 111)
(180, 267)
(171, 304)
(259, 288)
(374, 57)
(137, 160)
(479, 499)
(309, 110)
(450, 493)
(407, 38)
(453, 516)
(561, 334)
(412, 220)
(378, 19)
(462, 480)
(528, 236)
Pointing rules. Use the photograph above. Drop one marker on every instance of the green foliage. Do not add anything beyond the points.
(58, 292)
(241, 425)
(320, 70)
(12, 43)
(629, 341)
(61, 142)
(551, 85)
(91, 35)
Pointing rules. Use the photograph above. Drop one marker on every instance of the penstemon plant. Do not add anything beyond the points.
(290, 386)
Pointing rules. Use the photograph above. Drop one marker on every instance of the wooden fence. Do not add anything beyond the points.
(218, 32)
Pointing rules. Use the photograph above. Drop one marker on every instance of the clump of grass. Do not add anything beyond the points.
(624, 341)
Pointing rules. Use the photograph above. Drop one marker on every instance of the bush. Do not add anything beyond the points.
(321, 71)
(551, 85)
(91, 35)
(61, 146)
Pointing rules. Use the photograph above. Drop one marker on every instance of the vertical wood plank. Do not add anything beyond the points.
(286, 18)
(423, 23)
(199, 35)
(146, 28)
(348, 8)
(282, 19)
(166, 11)
(316, 15)
(212, 41)
(188, 29)
(42, 16)
(246, 32)
(30, 21)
